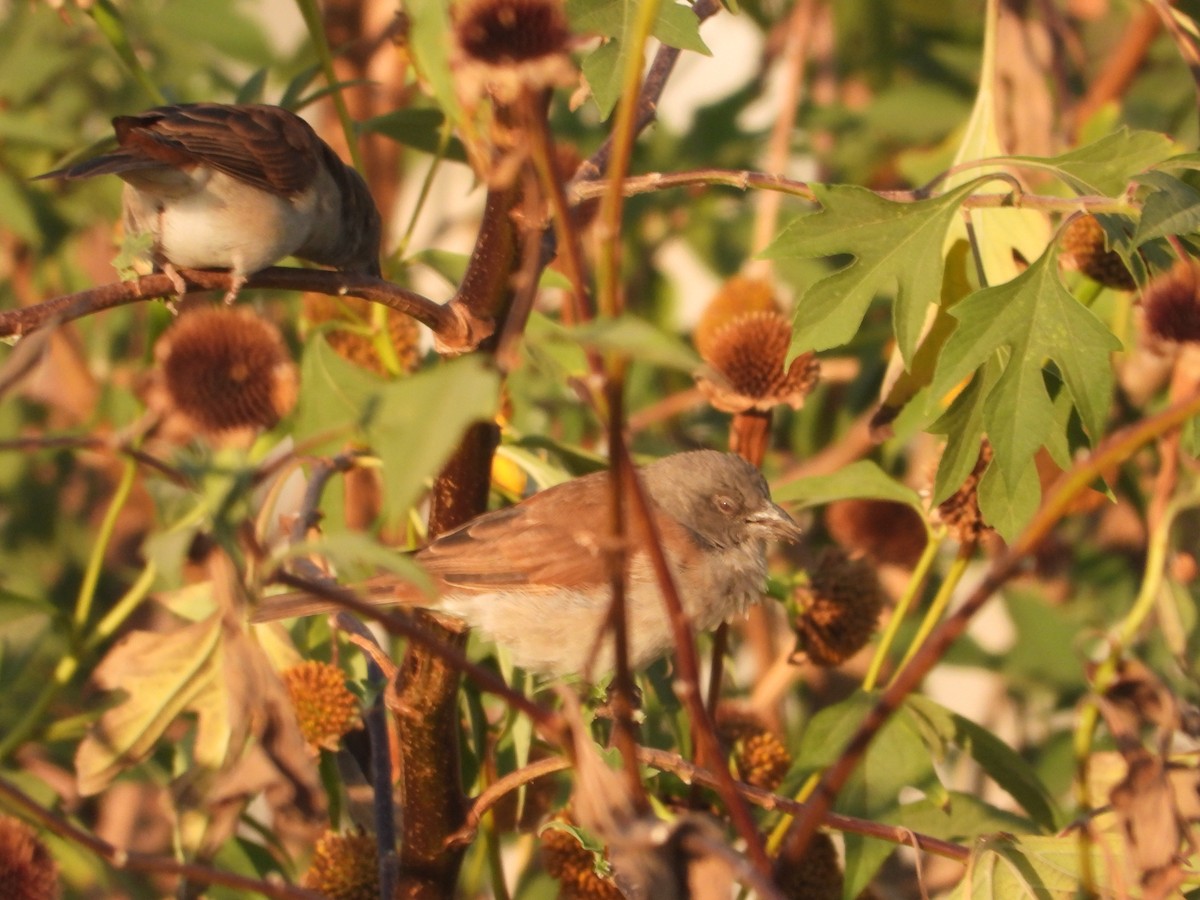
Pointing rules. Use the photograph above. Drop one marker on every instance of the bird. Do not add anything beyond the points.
(238, 187)
(533, 577)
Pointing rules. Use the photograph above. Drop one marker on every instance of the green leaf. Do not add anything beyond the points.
(1034, 319)
(413, 424)
(962, 817)
(1108, 165)
(899, 757)
(1003, 764)
(676, 26)
(420, 128)
(602, 68)
(1173, 207)
(1016, 867)
(862, 480)
(1007, 504)
(962, 424)
(897, 248)
(429, 43)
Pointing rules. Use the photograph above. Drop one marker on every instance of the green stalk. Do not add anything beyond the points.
(915, 582)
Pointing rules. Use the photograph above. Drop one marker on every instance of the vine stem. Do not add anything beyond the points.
(941, 600)
(915, 582)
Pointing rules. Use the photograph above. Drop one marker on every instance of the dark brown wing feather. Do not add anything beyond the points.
(264, 146)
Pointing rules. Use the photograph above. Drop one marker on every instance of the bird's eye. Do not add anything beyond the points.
(725, 504)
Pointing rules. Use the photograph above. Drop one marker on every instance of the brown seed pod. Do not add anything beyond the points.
(839, 608)
(736, 297)
(815, 876)
(760, 757)
(746, 358)
(345, 323)
(504, 47)
(344, 867)
(27, 870)
(226, 369)
(1172, 304)
(1084, 241)
(325, 707)
(882, 531)
(574, 866)
(960, 511)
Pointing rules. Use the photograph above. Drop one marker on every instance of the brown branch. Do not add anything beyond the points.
(1120, 67)
(133, 861)
(1111, 452)
(745, 179)
(687, 685)
(455, 326)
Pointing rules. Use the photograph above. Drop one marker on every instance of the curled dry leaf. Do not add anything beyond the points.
(246, 737)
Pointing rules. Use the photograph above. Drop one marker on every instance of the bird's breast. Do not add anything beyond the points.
(218, 222)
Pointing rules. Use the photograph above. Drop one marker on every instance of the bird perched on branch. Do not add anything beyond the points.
(534, 577)
(237, 187)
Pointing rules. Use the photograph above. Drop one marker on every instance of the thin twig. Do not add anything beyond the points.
(667, 761)
(451, 322)
(688, 681)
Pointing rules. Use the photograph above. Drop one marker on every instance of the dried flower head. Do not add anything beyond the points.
(746, 358)
(347, 323)
(1084, 241)
(506, 47)
(839, 608)
(736, 297)
(960, 511)
(817, 875)
(325, 707)
(882, 531)
(574, 867)
(27, 870)
(759, 756)
(344, 867)
(226, 369)
(1172, 303)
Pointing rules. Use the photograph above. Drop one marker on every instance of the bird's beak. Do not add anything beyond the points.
(772, 520)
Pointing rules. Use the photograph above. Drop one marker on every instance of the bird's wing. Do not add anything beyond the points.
(263, 146)
(554, 539)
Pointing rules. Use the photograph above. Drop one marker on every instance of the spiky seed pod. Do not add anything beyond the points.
(505, 47)
(1172, 304)
(1084, 242)
(344, 867)
(839, 608)
(225, 369)
(737, 296)
(27, 870)
(960, 511)
(880, 530)
(816, 876)
(574, 867)
(325, 707)
(760, 757)
(746, 357)
(346, 320)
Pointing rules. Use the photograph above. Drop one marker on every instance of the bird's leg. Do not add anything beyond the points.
(239, 280)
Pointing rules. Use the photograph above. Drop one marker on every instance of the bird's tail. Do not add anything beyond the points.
(384, 590)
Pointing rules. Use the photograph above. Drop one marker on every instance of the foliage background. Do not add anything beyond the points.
(874, 97)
